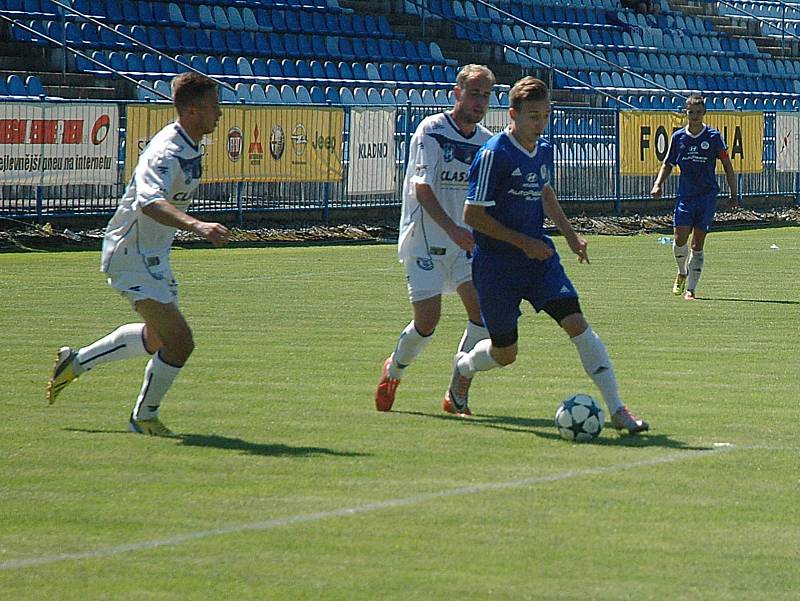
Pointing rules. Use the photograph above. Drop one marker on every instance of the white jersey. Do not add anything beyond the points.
(168, 169)
(440, 156)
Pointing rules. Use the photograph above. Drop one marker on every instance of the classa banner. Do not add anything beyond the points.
(372, 167)
(645, 135)
(257, 144)
(496, 120)
(787, 142)
(48, 144)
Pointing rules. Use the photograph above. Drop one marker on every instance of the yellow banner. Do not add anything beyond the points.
(645, 135)
(257, 144)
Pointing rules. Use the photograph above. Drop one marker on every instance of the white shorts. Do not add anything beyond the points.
(137, 277)
(431, 276)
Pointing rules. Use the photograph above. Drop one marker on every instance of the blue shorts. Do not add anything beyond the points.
(695, 211)
(503, 280)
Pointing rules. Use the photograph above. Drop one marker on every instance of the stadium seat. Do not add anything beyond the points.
(302, 95)
(317, 95)
(288, 95)
(272, 94)
(257, 95)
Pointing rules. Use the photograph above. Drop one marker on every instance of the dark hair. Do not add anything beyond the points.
(189, 87)
(527, 88)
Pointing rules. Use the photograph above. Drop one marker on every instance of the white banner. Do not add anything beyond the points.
(496, 120)
(787, 142)
(372, 168)
(58, 144)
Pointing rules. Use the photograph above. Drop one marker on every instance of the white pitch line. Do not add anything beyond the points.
(180, 539)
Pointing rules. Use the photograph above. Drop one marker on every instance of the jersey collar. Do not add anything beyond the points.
(449, 116)
(691, 135)
(185, 136)
(520, 147)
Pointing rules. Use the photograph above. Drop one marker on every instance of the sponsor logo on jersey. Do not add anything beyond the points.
(425, 264)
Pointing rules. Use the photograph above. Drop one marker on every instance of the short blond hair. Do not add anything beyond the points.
(472, 71)
(527, 88)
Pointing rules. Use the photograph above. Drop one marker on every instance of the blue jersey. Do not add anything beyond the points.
(697, 157)
(508, 181)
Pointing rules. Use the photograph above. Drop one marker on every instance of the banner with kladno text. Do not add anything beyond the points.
(256, 144)
(644, 139)
(44, 144)
(372, 168)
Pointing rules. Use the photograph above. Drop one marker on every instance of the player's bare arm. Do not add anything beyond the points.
(477, 218)
(663, 174)
(552, 208)
(730, 176)
(167, 214)
(427, 199)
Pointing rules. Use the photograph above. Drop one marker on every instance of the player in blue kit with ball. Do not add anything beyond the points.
(695, 149)
(510, 192)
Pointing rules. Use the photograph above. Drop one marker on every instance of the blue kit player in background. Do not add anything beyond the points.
(136, 256)
(510, 192)
(695, 149)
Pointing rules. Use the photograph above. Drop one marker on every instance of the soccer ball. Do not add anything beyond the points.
(579, 418)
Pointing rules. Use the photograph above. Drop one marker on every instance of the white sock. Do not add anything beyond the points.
(410, 344)
(478, 359)
(473, 334)
(597, 364)
(681, 254)
(158, 377)
(695, 269)
(123, 343)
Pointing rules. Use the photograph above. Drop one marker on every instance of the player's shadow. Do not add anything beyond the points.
(215, 441)
(255, 448)
(747, 300)
(545, 428)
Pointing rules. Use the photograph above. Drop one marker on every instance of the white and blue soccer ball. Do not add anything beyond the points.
(580, 418)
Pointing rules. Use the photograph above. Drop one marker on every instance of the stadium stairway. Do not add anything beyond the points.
(458, 51)
(735, 27)
(27, 60)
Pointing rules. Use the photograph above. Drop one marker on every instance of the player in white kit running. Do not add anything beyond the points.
(435, 245)
(136, 256)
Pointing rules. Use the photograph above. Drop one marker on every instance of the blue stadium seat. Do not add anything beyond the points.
(288, 95)
(229, 66)
(234, 19)
(220, 18)
(317, 95)
(272, 94)
(302, 95)
(346, 97)
(34, 86)
(345, 71)
(374, 97)
(317, 69)
(257, 95)
(360, 96)
(332, 95)
(249, 21)
(243, 92)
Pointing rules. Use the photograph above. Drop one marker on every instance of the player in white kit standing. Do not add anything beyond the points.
(435, 245)
(136, 256)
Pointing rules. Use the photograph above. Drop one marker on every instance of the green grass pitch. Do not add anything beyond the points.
(288, 485)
